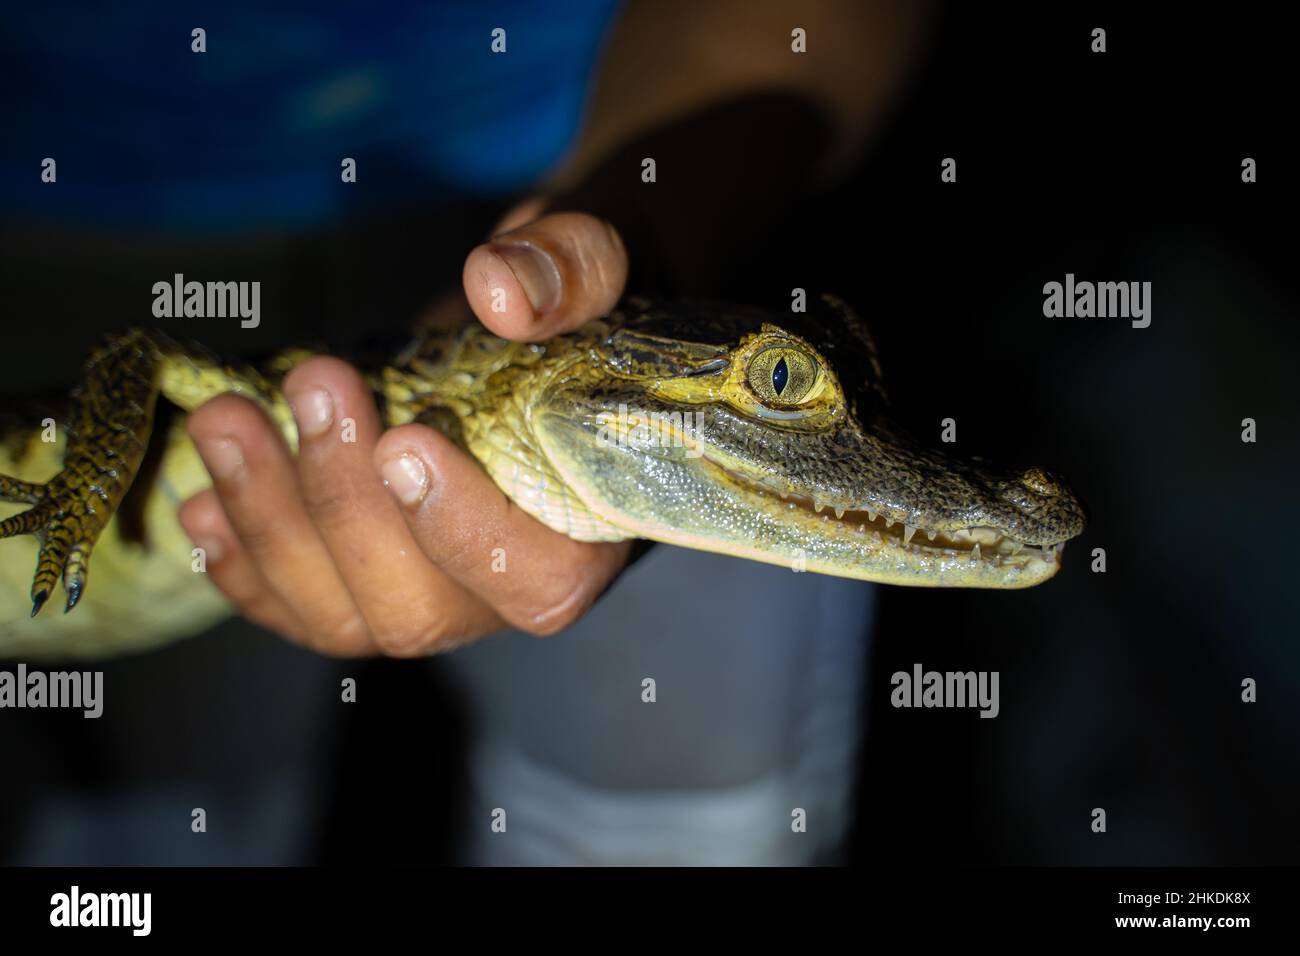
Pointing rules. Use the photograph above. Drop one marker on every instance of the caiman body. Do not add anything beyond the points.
(719, 428)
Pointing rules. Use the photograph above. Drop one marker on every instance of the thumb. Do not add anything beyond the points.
(547, 277)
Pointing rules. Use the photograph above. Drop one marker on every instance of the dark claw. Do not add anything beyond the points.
(38, 601)
(74, 595)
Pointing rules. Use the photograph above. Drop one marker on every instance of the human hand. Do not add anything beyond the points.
(385, 544)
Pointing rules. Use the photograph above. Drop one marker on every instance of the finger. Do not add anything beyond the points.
(521, 214)
(547, 277)
(229, 567)
(538, 580)
(256, 483)
(409, 606)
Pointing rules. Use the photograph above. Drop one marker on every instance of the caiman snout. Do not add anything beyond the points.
(1042, 509)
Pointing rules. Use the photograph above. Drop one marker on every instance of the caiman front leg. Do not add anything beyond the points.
(107, 431)
(110, 418)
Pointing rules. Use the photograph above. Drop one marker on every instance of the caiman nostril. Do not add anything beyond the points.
(1040, 482)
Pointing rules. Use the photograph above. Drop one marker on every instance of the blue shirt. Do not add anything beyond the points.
(252, 133)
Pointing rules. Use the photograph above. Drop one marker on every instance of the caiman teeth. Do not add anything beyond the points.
(971, 544)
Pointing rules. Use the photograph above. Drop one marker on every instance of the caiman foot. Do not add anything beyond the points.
(108, 428)
(67, 515)
(59, 521)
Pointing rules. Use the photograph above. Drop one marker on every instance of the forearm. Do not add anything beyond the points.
(738, 125)
(669, 59)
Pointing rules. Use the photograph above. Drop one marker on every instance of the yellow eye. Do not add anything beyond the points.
(782, 376)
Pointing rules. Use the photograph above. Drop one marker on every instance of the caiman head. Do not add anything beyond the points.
(764, 436)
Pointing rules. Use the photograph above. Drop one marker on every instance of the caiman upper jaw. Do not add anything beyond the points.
(972, 541)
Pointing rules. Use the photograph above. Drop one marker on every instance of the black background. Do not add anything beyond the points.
(1121, 689)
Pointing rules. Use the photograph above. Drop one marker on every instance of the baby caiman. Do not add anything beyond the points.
(721, 428)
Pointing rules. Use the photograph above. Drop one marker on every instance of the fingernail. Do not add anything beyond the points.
(313, 411)
(224, 458)
(536, 272)
(406, 478)
(212, 548)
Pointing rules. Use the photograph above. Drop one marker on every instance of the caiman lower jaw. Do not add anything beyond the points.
(980, 543)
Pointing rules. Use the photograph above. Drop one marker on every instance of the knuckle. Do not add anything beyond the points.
(348, 631)
(414, 641)
(200, 512)
(329, 506)
(450, 545)
(259, 538)
(250, 603)
(557, 607)
(262, 610)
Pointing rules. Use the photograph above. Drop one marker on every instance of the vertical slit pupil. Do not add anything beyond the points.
(780, 375)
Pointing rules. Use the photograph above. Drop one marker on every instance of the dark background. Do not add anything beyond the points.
(1118, 690)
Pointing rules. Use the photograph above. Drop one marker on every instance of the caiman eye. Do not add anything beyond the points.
(782, 376)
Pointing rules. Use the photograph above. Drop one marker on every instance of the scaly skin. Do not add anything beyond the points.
(771, 444)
